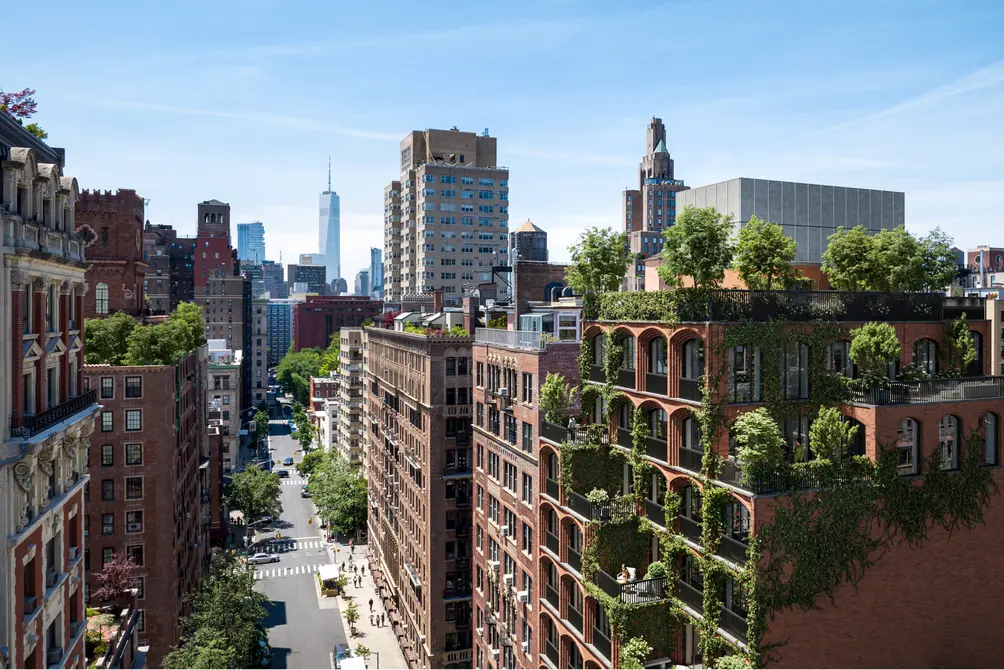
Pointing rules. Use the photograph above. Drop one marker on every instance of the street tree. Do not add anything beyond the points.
(107, 340)
(311, 462)
(352, 616)
(115, 578)
(306, 433)
(600, 259)
(255, 493)
(295, 370)
(764, 255)
(260, 421)
(699, 245)
(340, 494)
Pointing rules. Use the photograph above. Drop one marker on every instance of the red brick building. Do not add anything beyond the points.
(318, 317)
(907, 609)
(113, 224)
(152, 493)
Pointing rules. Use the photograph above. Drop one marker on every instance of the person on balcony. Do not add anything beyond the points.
(571, 428)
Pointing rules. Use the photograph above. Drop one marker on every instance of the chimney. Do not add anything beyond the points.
(437, 301)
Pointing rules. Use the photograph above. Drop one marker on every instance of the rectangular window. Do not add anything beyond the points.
(134, 521)
(462, 366)
(107, 455)
(133, 387)
(107, 387)
(134, 488)
(134, 454)
(451, 366)
(527, 495)
(107, 554)
(527, 437)
(527, 539)
(107, 424)
(479, 376)
(107, 490)
(135, 552)
(107, 524)
(134, 419)
(451, 396)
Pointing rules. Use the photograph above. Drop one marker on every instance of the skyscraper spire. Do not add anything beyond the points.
(329, 174)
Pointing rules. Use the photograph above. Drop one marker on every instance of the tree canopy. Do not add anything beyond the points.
(600, 259)
(260, 421)
(339, 491)
(295, 370)
(758, 439)
(329, 358)
(699, 245)
(764, 255)
(959, 349)
(115, 578)
(21, 105)
(120, 340)
(830, 436)
(254, 492)
(225, 627)
(107, 340)
(873, 347)
(892, 260)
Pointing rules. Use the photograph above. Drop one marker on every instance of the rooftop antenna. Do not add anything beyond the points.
(329, 174)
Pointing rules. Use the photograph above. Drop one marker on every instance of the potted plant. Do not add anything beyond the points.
(874, 347)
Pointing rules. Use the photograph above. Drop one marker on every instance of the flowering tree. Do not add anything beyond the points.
(116, 577)
(21, 105)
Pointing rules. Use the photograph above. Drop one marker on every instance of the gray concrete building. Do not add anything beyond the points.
(809, 213)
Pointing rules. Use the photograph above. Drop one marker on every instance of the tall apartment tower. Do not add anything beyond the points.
(350, 395)
(446, 222)
(330, 230)
(219, 286)
(251, 242)
(651, 208)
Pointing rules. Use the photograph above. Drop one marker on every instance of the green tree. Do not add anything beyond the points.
(255, 493)
(306, 433)
(311, 462)
(329, 359)
(938, 263)
(635, 653)
(191, 325)
(873, 347)
(758, 440)
(733, 662)
(959, 349)
(896, 252)
(830, 436)
(340, 493)
(260, 425)
(850, 262)
(295, 370)
(699, 245)
(556, 396)
(352, 616)
(600, 259)
(166, 342)
(363, 652)
(37, 131)
(764, 255)
(107, 340)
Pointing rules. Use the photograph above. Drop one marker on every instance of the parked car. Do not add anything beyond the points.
(282, 473)
(304, 492)
(341, 652)
(261, 557)
(288, 460)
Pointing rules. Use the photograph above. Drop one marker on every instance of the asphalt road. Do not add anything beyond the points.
(301, 634)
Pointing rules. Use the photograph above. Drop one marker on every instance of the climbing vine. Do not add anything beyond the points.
(585, 359)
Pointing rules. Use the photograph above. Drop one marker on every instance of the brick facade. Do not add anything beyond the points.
(319, 317)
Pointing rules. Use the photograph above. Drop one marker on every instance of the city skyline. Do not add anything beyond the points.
(799, 107)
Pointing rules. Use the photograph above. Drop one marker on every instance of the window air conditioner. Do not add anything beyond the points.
(508, 580)
(526, 647)
(524, 596)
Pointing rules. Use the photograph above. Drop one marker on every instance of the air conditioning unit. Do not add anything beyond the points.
(491, 619)
(504, 530)
(480, 631)
(504, 392)
(134, 527)
(74, 552)
(421, 638)
(493, 565)
(523, 596)
(495, 654)
(508, 580)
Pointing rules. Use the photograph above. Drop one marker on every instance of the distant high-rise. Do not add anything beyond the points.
(274, 279)
(376, 272)
(363, 282)
(330, 230)
(454, 226)
(251, 242)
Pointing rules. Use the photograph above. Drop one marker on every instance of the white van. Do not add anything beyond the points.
(352, 663)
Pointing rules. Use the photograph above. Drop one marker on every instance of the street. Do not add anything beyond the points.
(302, 634)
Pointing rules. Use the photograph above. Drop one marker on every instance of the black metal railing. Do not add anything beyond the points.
(609, 585)
(601, 642)
(625, 378)
(553, 655)
(552, 488)
(579, 504)
(655, 512)
(690, 529)
(933, 391)
(462, 591)
(645, 591)
(691, 597)
(35, 424)
(457, 469)
(691, 459)
(624, 438)
(733, 624)
(730, 473)
(690, 389)
(655, 383)
(551, 594)
(657, 448)
(597, 374)
(553, 543)
(575, 560)
(553, 432)
(574, 618)
(732, 549)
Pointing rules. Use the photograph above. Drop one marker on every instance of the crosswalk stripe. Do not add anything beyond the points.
(273, 573)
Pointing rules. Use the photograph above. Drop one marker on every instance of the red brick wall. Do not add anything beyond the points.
(212, 255)
(310, 323)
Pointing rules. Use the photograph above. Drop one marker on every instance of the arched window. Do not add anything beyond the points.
(600, 349)
(976, 367)
(625, 416)
(657, 356)
(744, 374)
(552, 466)
(796, 438)
(858, 443)
(690, 503)
(101, 298)
(948, 442)
(657, 419)
(737, 522)
(574, 655)
(692, 434)
(795, 371)
(925, 354)
(599, 409)
(988, 424)
(693, 359)
(628, 357)
(838, 358)
(907, 443)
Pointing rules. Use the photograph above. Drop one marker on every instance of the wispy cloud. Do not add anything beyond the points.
(277, 120)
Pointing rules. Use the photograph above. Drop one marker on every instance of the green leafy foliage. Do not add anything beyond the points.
(556, 396)
(311, 462)
(339, 491)
(295, 370)
(636, 306)
(699, 245)
(352, 616)
(120, 340)
(758, 439)
(600, 259)
(260, 421)
(635, 653)
(254, 492)
(329, 359)
(224, 628)
(830, 436)
(849, 261)
(107, 340)
(733, 662)
(958, 348)
(874, 347)
(764, 255)
(892, 260)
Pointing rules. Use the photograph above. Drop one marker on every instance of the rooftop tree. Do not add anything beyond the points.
(600, 259)
(699, 245)
(107, 340)
(764, 255)
(873, 348)
(21, 105)
(849, 261)
(116, 577)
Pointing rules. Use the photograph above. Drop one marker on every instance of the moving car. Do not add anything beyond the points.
(304, 492)
(282, 473)
(288, 460)
(262, 557)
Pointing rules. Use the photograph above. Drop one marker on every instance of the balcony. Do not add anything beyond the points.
(690, 528)
(552, 488)
(578, 504)
(625, 438)
(53, 656)
(690, 389)
(579, 435)
(30, 606)
(601, 642)
(733, 624)
(732, 549)
(553, 655)
(575, 560)
(637, 592)
(552, 543)
(625, 378)
(575, 619)
(691, 597)
(655, 513)
(934, 391)
(458, 469)
(691, 459)
(655, 383)
(597, 374)
(528, 340)
(35, 424)
(551, 595)
(656, 448)
(457, 593)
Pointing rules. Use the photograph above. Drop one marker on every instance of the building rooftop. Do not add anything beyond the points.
(529, 227)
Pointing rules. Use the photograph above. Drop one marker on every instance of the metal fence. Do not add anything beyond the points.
(530, 340)
(934, 391)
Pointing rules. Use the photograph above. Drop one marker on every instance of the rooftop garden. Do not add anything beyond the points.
(120, 339)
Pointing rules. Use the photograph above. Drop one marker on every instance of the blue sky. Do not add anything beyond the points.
(245, 101)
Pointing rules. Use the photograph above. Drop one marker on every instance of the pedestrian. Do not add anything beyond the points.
(381, 618)
(371, 604)
(355, 569)
(363, 568)
(343, 566)
(371, 620)
(350, 546)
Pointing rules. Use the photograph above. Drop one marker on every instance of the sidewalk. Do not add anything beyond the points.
(379, 639)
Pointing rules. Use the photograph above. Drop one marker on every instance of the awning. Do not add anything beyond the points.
(329, 571)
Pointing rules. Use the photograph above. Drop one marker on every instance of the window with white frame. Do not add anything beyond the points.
(101, 298)
(948, 442)
(907, 437)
